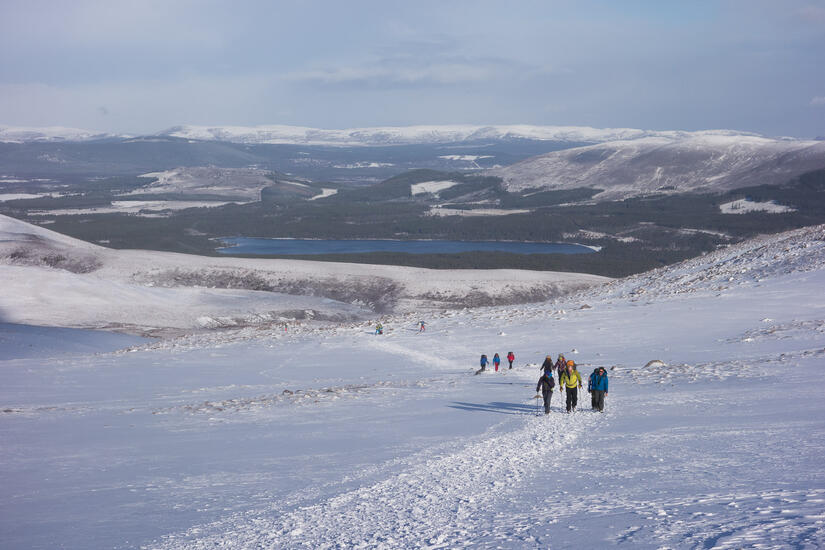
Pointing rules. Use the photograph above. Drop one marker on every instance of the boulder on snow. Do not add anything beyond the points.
(656, 363)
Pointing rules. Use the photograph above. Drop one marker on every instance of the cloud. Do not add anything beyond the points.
(818, 100)
(414, 71)
(812, 14)
(140, 106)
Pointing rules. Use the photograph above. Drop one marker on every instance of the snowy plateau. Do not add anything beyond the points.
(272, 431)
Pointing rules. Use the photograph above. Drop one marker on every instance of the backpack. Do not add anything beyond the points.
(550, 382)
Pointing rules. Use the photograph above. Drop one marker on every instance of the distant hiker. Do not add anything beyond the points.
(599, 385)
(422, 326)
(547, 366)
(571, 381)
(546, 383)
(379, 329)
(496, 361)
(590, 388)
(511, 357)
(561, 366)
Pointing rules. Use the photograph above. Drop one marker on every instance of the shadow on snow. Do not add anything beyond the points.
(495, 406)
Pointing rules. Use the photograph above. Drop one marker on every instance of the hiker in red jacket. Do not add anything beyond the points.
(511, 357)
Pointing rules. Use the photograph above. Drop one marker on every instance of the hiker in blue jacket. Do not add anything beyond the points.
(593, 406)
(598, 385)
(483, 362)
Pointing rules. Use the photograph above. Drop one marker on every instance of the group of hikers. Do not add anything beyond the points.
(496, 361)
(570, 380)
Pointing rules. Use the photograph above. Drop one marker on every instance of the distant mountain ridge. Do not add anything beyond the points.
(23, 134)
(368, 136)
(406, 135)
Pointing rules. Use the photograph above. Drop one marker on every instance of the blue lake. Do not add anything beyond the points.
(251, 245)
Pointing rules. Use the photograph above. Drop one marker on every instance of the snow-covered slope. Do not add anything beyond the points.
(245, 183)
(708, 162)
(744, 264)
(51, 279)
(330, 437)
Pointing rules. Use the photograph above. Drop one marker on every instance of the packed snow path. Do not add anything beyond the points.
(435, 502)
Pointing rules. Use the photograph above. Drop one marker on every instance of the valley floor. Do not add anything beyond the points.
(331, 437)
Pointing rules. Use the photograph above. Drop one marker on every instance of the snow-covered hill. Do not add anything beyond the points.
(327, 436)
(51, 279)
(701, 162)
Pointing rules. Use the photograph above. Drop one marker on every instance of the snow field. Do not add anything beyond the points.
(325, 436)
(431, 187)
(743, 206)
(138, 208)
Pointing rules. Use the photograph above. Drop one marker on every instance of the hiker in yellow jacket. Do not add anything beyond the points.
(571, 381)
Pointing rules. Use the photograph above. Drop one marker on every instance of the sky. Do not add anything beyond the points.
(142, 67)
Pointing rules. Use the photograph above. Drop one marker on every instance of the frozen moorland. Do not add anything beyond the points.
(324, 435)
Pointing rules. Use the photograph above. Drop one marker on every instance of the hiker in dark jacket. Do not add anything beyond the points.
(547, 366)
(546, 384)
(561, 366)
(599, 385)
